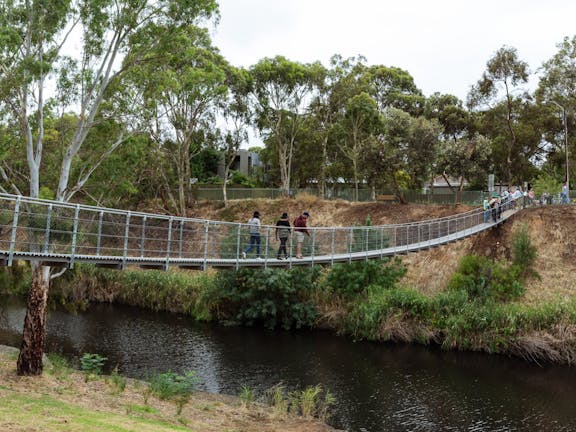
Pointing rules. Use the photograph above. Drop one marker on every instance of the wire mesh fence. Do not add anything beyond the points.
(65, 232)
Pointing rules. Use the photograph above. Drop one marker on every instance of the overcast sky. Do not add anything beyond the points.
(443, 44)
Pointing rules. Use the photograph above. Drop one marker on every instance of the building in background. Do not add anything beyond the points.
(245, 162)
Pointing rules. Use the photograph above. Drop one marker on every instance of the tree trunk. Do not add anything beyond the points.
(34, 333)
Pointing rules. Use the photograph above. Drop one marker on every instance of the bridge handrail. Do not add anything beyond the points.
(64, 232)
(70, 205)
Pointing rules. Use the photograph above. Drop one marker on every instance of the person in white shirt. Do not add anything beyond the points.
(254, 223)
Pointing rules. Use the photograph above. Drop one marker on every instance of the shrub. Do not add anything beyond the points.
(350, 280)
(175, 387)
(92, 364)
(523, 251)
(272, 297)
(482, 279)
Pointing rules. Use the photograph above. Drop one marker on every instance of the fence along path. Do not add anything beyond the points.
(62, 234)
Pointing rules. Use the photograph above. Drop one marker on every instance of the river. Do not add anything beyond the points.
(378, 387)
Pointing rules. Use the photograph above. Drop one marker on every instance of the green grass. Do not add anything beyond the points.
(49, 415)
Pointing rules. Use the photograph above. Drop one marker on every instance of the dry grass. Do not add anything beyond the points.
(65, 402)
(551, 230)
(557, 345)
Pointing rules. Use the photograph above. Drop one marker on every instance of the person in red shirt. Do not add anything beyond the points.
(300, 227)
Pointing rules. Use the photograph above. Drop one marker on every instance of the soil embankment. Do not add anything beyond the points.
(550, 228)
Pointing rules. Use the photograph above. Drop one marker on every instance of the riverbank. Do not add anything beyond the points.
(63, 399)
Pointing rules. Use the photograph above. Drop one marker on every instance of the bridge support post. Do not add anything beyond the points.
(169, 243)
(126, 232)
(14, 228)
(47, 232)
(74, 235)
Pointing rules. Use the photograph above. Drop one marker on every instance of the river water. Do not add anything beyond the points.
(378, 387)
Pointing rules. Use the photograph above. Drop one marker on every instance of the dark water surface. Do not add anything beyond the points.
(379, 387)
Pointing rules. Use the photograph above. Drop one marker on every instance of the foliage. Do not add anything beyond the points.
(312, 402)
(238, 178)
(546, 182)
(92, 364)
(482, 279)
(271, 297)
(175, 387)
(246, 395)
(15, 280)
(117, 381)
(456, 320)
(352, 279)
(173, 291)
(466, 158)
(523, 251)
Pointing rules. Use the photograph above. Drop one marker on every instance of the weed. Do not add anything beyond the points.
(175, 387)
(523, 251)
(117, 381)
(92, 364)
(278, 400)
(309, 400)
(60, 366)
(350, 280)
(140, 409)
(246, 395)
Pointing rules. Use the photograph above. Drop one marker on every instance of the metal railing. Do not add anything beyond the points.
(60, 233)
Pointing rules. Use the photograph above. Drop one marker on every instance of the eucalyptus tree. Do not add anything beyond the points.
(450, 112)
(423, 143)
(333, 86)
(360, 123)
(34, 35)
(557, 91)
(402, 154)
(394, 147)
(467, 158)
(237, 116)
(182, 81)
(281, 94)
(504, 74)
(393, 87)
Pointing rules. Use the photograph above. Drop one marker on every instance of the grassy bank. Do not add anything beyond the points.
(63, 399)
(481, 309)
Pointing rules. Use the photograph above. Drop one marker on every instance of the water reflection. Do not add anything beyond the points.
(379, 387)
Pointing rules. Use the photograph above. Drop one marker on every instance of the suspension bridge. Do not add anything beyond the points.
(62, 234)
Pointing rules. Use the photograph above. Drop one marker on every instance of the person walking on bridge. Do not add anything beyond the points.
(254, 223)
(300, 226)
(283, 231)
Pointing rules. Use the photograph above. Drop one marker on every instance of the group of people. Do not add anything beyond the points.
(493, 205)
(282, 234)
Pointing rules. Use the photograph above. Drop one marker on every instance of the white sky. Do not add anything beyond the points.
(443, 44)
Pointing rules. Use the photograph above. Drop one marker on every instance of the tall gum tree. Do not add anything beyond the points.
(504, 73)
(183, 85)
(280, 98)
(34, 35)
(557, 91)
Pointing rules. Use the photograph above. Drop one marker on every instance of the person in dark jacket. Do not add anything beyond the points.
(300, 227)
(283, 231)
